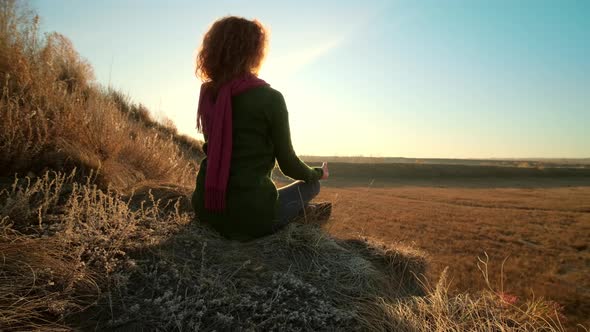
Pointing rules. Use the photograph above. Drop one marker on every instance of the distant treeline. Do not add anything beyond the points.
(521, 163)
(413, 170)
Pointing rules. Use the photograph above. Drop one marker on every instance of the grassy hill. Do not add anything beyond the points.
(96, 231)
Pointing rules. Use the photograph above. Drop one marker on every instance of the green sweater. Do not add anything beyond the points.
(261, 135)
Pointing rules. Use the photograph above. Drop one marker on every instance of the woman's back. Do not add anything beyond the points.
(253, 152)
(260, 136)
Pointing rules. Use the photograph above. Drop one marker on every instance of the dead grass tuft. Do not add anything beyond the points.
(41, 281)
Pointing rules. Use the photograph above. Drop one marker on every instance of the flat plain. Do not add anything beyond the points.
(535, 231)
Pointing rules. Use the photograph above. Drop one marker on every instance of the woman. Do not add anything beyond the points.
(246, 129)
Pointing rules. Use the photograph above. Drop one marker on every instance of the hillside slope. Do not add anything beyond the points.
(96, 231)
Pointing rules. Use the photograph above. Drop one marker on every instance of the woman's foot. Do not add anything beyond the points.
(317, 212)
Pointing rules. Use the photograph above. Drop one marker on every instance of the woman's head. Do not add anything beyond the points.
(233, 46)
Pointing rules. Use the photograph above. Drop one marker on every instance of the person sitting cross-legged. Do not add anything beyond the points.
(245, 124)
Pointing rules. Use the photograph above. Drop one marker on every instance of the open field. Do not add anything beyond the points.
(539, 226)
(505, 162)
(378, 174)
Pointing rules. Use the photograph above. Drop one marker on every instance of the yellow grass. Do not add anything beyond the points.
(537, 226)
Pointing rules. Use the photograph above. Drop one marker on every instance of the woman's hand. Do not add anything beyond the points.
(325, 169)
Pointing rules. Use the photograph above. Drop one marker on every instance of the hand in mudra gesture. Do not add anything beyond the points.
(325, 169)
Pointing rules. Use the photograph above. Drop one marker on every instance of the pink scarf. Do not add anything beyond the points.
(215, 117)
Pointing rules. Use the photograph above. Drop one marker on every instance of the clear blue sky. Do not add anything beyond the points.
(472, 79)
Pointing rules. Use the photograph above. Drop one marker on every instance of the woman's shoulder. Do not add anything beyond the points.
(265, 95)
(267, 91)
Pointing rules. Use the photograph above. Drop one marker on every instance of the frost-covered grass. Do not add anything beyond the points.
(76, 256)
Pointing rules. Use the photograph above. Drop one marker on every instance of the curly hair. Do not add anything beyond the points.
(231, 47)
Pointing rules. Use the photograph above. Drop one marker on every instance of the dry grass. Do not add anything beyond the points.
(297, 279)
(142, 264)
(41, 281)
(541, 230)
(98, 235)
(62, 242)
(53, 116)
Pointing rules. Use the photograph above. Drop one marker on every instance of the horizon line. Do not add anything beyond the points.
(451, 158)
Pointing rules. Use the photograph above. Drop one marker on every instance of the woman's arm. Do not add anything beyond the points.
(288, 161)
(205, 144)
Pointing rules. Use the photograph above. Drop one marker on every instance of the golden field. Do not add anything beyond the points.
(536, 232)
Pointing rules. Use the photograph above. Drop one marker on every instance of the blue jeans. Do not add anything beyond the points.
(293, 198)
